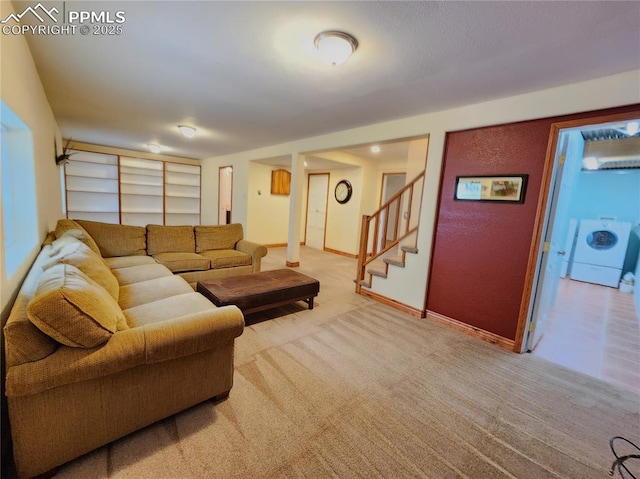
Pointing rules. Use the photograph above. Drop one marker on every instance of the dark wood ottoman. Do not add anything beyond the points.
(259, 291)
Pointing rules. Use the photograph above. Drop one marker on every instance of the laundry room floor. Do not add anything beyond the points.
(595, 330)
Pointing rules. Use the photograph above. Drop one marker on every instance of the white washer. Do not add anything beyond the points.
(601, 246)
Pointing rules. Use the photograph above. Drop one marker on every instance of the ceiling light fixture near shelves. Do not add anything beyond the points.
(335, 47)
(375, 149)
(153, 148)
(187, 131)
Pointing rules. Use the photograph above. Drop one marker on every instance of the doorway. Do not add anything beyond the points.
(391, 184)
(576, 322)
(225, 194)
(317, 195)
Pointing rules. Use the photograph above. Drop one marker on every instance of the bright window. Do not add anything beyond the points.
(19, 210)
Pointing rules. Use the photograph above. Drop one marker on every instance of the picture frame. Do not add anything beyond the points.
(501, 189)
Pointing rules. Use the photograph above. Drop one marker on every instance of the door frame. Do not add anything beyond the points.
(382, 184)
(326, 207)
(220, 168)
(537, 243)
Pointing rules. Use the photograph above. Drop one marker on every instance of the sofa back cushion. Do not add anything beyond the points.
(217, 237)
(71, 227)
(73, 309)
(117, 240)
(68, 250)
(170, 239)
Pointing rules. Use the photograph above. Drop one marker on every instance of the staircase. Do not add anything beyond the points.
(389, 234)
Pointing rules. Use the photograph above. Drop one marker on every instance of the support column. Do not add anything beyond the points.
(295, 209)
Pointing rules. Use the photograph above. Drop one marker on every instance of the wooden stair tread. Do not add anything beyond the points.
(409, 249)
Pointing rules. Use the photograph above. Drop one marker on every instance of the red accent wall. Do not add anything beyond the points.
(481, 249)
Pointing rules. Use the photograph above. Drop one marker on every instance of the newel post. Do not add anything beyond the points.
(362, 250)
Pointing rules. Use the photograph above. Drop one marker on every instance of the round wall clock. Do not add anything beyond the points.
(343, 191)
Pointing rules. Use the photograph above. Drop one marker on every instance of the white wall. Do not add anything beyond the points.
(22, 91)
(606, 92)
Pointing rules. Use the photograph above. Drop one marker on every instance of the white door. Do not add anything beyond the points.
(316, 209)
(225, 185)
(564, 179)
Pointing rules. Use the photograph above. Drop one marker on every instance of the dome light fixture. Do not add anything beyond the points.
(632, 128)
(375, 149)
(153, 148)
(187, 131)
(335, 47)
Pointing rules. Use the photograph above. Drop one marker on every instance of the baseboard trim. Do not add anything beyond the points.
(279, 245)
(341, 253)
(416, 313)
(294, 264)
(486, 336)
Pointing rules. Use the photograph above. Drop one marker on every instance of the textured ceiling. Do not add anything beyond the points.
(244, 74)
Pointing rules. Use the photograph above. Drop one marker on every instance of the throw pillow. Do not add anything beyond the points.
(73, 309)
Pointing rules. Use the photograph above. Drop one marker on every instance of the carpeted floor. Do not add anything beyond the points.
(356, 389)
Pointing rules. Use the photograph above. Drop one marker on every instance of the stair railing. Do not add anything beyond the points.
(394, 221)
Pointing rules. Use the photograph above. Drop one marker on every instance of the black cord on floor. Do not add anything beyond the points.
(619, 463)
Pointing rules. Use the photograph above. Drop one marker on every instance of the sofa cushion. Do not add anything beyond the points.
(227, 258)
(167, 308)
(72, 251)
(143, 272)
(152, 290)
(65, 225)
(117, 240)
(117, 262)
(170, 239)
(217, 237)
(177, 262)
(73, 309)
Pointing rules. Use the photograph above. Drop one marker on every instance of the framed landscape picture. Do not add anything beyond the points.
(507, 189)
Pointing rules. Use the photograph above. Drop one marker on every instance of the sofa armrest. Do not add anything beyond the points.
(192, 334)
(68, 365)
(151, 343)
(255, 250)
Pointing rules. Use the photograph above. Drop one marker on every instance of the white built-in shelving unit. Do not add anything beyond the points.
(131, 191)
(92, 187)
(141, 191)
(181, 194)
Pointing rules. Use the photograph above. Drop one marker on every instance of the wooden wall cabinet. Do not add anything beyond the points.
(280, 182)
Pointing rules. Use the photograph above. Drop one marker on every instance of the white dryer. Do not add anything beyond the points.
(600, 249)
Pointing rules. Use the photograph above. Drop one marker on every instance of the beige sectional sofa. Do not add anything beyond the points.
(104, 340)
(195, 253)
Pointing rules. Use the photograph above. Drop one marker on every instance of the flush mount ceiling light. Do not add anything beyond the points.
(375, 149)
(632, 128)
(187, 131)
(335, 47)
(153, 148)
